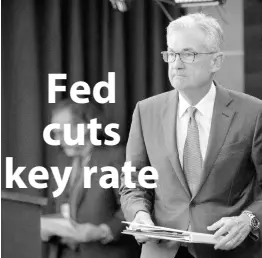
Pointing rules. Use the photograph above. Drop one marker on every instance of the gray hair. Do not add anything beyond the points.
(214, 33)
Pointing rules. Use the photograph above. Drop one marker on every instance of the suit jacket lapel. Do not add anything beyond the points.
(169, 127)
(78, 191)
(221, 121)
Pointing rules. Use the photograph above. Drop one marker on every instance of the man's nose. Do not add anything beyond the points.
(177, 64)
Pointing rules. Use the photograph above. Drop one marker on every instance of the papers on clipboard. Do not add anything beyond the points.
(168, 234)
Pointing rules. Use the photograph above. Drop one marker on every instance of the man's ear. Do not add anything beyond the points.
(217, 61)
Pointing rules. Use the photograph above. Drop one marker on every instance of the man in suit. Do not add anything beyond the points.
(206, 143)
(94, 212)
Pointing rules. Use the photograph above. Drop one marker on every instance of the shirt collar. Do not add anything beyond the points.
(204, 106)
(183, 105)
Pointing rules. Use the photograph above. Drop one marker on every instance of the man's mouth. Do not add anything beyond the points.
(179, 75)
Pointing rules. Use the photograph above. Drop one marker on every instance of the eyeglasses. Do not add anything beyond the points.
(185, 57)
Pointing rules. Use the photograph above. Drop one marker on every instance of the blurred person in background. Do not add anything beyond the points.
(205, 141)
(94, 212)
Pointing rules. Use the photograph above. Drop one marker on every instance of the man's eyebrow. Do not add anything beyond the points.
(183, 50)
(188, 49)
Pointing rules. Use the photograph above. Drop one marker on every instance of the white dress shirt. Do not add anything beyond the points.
(203, 118)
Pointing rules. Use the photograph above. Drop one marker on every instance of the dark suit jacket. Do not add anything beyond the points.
(231, 172)
(97, 205)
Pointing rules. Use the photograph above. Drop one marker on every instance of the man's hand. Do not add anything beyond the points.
(230, 231)
(56, 227)
(87, 232)
(141, 217)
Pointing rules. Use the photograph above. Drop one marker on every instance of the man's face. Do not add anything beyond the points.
(185, 76)
(62, 117)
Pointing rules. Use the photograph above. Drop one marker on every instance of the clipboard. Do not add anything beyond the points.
(168, 234)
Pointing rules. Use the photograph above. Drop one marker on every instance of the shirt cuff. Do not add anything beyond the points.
(254, 235)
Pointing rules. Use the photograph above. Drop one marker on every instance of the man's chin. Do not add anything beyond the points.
(178, 85)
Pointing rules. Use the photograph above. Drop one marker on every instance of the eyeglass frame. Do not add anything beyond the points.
(194, 53)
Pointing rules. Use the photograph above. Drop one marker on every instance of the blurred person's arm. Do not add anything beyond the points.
(139, 198)
(114, 227)
(110, 230)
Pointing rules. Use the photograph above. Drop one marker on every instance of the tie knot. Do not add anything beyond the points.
(192, 111)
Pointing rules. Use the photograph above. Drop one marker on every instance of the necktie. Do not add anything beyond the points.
(76, 181)
(76, 170)
(192, 159)
(77, 189)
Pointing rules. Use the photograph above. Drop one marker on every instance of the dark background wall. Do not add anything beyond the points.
(253, 47)
(85, 39)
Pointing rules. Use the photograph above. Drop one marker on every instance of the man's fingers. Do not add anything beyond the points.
(132, 226)
(144, 219)
(238, 242)
(141, 218)
(216, 225)
(141, 238)
(229, 228)
(241, 236)
(231, 231)
(237, 232)
(231, 236)
(234, 242)
(223, 241)
(135, 224)
(222, 231)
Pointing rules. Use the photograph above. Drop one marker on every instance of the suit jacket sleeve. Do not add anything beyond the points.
(256, 206)
(139, 198)
(115, 223)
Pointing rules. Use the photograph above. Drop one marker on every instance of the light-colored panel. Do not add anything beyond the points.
(231, 19)
(231, 75)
